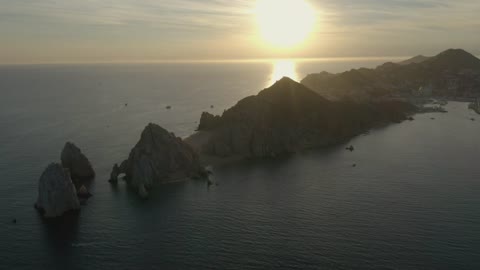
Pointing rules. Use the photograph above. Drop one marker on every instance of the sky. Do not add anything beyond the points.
(47, 31)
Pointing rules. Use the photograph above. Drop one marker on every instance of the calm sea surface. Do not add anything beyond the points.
(412, 202)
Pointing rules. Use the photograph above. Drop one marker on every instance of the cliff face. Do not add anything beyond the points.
(56, 192)
(159, 157)
(288, 117)
(208, 121)
(73, 159)
(453, 73)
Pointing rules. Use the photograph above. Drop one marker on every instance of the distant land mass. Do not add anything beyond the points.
(453, 73)
(416, 59)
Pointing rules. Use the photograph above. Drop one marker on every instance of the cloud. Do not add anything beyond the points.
(168, 14)
(226, 28)
(400, 14)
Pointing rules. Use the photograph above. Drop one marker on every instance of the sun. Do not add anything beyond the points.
(285, 23)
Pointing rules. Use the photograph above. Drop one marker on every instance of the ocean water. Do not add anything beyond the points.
(410, 203)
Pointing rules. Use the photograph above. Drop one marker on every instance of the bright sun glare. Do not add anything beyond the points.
(282, 68)
(285, 23)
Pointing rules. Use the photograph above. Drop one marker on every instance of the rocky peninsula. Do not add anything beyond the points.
(288, 117)
(325, 109)
(282, 119)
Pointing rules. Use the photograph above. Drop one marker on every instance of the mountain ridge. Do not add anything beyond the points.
(288, 117)
(453, 72)
(416, 59)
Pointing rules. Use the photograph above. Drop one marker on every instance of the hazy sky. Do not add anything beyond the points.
(137, 30)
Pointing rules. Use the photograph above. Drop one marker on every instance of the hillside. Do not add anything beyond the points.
(288, 117)
(414, 60)
(452, 73)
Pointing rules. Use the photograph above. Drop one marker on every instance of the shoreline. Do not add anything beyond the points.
(198, 139)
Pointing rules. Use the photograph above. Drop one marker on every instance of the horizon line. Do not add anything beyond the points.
(213, 61)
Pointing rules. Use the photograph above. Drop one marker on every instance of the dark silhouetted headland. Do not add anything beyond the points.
(288, 117)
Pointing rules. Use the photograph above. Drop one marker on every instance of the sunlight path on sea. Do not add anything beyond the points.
(282, 68)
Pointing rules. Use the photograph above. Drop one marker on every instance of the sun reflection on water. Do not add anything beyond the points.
(283, 68)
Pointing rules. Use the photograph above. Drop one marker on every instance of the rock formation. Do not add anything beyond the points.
(56, 192)
(78, 164)
(288, 117)
(114, 174)
(208, 121)
(159, 157)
